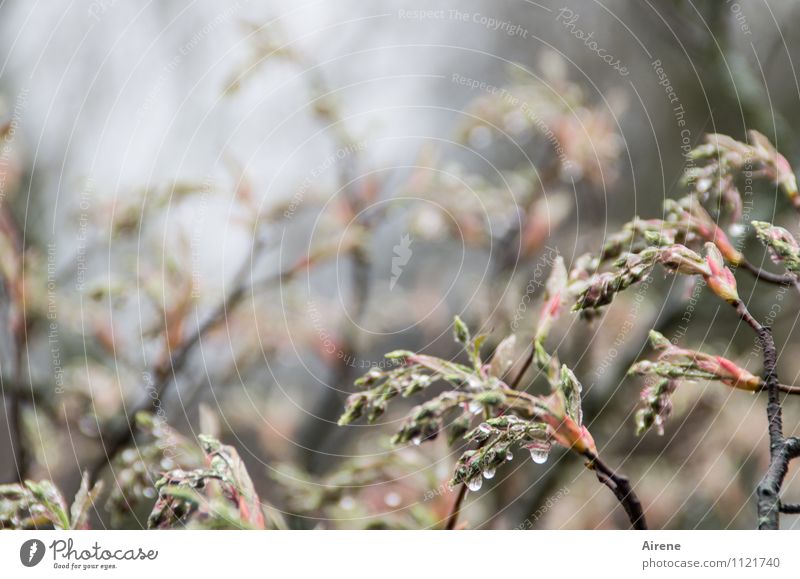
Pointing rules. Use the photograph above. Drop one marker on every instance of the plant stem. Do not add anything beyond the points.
(767, 276)
(452, 518)
(781, 450)
(621, 488)
(114, 441)
(791, 508)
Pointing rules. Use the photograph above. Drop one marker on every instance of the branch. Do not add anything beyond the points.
(452, 518)
(781, 450)
(166, 372)
(770, 277)
(790, 508)
(621, 488)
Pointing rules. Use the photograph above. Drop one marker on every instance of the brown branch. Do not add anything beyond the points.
(621, 488)
(115, 440)
(781, 450)
(528, 361)
(790, 508)
(452, 518)
(770, 277)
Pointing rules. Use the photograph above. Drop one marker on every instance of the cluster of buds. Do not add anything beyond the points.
(656, 406)
(33, 505)
(415, 373)
(494, 439)
(694, 222)
(601, 288)
(427, 420)
(679, 363)
(675, 364)
(725, 158)
(555, 295)
(561, 412)
(782, 246)
(158, 448)
(221, 495)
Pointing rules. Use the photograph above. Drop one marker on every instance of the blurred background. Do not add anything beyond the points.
(226, 213)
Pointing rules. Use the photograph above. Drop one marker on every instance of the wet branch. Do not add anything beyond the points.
(621, 487)
(781, 450)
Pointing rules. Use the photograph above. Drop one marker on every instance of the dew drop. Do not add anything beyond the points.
(347, 503)
(392, 500)
(539, 455)
(416, 441)
(489, 473)
(509, 456)
(475, 483)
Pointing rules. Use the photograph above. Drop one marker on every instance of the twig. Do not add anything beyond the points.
(790, 508)
(770, 277)
(165, 373)
(452, 518)
(528, 361)
(621, 488)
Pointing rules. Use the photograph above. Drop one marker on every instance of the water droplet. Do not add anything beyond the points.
(475, 483)
(489, 473)
(509, 456)
(416, 441)
(539, 455)
(347, 503)
(392, 500)
(149, 493)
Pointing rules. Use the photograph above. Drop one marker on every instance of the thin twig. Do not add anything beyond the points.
(528, 361)
(770, 277)
(452, 518)
(113, 442)
(790, 508)
(621, 487)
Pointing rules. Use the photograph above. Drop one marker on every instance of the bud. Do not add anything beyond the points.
(555, 288)
(460, 331)
(782, 246)
(681, 259)
(720, 280)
